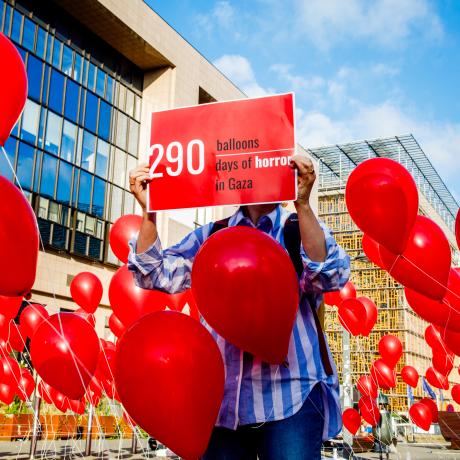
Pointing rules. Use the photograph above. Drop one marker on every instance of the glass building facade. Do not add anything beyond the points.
(79, 132)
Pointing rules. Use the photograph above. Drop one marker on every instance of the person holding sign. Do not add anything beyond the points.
(269, 411)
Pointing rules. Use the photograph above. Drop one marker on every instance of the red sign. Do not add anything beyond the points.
(223, 153)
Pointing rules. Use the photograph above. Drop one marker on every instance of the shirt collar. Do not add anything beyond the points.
(266, 223)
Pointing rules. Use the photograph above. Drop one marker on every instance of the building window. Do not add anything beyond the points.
(64, 182)
(132, 163)
(119, 170)
(30, 118)
(28, 39)
(10, 149)
(133, 137)
(57, 50)
(100, 82)
(53, 133)
(25, 166)
(102, 158)
(48, 178)
(122, 129)
(109, 89)
(130, 103)
(91, 112)
(41, 43)
(67, 58)
(98, 197)
(105, 112)
(91, 76)
(16, 28)
(71, 101)
(84, 191)
(88, 151)
(34, 77)
(78, 69)
(56, 91)
(69, 140)
(116, 203)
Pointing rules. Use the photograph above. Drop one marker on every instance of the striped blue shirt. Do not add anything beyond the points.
(255, 391)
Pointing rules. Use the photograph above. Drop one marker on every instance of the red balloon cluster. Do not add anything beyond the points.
(337, 297)
(358, 315)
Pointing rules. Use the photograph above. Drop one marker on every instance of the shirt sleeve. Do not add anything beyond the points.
(328, 275)
(168, 269)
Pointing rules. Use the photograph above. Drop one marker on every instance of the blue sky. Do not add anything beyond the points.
(360, 68)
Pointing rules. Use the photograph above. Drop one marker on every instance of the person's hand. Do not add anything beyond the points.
(139, 177)
(306, 177)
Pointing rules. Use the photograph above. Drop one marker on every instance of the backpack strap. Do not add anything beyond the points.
(292, 242)
(219, 225)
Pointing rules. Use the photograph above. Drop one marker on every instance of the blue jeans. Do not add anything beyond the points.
(298, 437)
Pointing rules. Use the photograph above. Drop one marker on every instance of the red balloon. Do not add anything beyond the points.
(13, 87)
(372, 251)
(382, 200)
(60, 401)
(434, 339)
(9, 306)
(16, 338)
(352, 315)
(107, 362)
(366, 386)
(65, 351)
(125, 228)
(457, 229)
(18, 233)
(26, 385)
(420, 414)
(384, 375)
(94, 392)
(4, 327)
(433, 311)
(452, 299)
(11, 371)
(369, 410)
(168, 364)
(351, 420)
(246, 288)
(86, 291)
(89, 317)
(443, 362)
(31, 317)
(455, 392)
(410, 375)
(371, 315)
(452, 341)
(390, 349)
(130, 302)
(432, 407)
(436, 379)
(337, 297)
(44, 390)
(116, 326)
(415, 268)
(7, 392)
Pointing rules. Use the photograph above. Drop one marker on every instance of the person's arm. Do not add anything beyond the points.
(326, 265)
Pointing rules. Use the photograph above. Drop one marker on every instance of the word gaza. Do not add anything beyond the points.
(175, 156)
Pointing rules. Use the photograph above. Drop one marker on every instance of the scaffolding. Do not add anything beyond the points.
(394, 315)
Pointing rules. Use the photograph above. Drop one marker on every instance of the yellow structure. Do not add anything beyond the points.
(394, 314)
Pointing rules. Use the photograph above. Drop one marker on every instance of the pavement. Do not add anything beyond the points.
(122, 450)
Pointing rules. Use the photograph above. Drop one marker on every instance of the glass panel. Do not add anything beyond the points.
(34, 77)
(133, 137)
(122, 129)
(22, 53)
(46, 76)
(132, 163)
(49, 48)
(30, 118)
(28, 38)
(80, 224)
(100, 82)
(67, 58)
(56, 91)
(95, 247)
(98, 197)
(57, 53)
(84, 191)
(48, 176)
(16, 28)
(2, 6)
(25, 166)
(115, 205)
(91, 75)
(10, 148)
(69, 140)
(102, 158)
(41, 42)
(77, 72)
(43, 206)
(53, 213)
(121, 96)
(130, 103)
(109, 89)
(38, 164)
(129, 203)
(90, 223)
(100, 229)
(105, 112)
(71, 100)
(6, 26)
(64, 182)
(88, 151)
(65, 214)
(91, 112)
(41, 128)
(119, 172)
(53, 133)
(137, 114)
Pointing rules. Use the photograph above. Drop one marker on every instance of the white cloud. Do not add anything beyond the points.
(239, 70)
(386, 22)
(221, 17)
